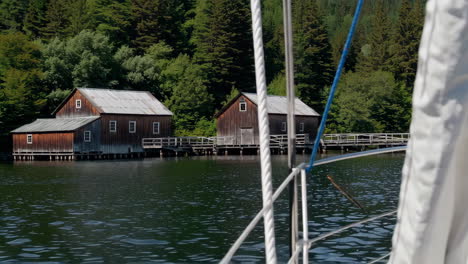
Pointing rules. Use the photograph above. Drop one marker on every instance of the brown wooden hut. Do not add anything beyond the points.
(95, 122)
(237, 121)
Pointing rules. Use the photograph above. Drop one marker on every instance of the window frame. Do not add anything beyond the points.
(301, 127)
(78, 103)
(29, 136)
(159, 128)
(130, 127)
(115, 126)
(87, 132)
(242, 102)
(284, 126)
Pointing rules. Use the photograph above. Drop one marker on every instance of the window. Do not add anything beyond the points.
(242, 105)
(78, 103)
(301, 127)
(283, 126)
(87, 136)
(112, 126)
(131, 126)
(29, 138)
(155, 127)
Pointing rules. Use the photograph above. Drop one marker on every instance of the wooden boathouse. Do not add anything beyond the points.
(237, 121)
(101, 123)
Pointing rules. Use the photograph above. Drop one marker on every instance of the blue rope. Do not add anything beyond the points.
(335, 84)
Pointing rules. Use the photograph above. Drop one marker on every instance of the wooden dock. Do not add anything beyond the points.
(364, 140)
(217, 145)
(170, 146)
(278, 143)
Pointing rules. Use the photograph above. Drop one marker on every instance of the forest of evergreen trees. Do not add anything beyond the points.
(194, 55)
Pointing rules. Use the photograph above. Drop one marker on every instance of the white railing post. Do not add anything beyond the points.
(305, 218)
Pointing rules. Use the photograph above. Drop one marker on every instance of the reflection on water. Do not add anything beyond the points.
(183, 210)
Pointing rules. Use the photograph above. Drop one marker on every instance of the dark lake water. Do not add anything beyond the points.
(183, 210)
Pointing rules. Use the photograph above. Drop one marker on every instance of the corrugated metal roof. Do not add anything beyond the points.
(279, 105)
(55, 124)
(125, 102)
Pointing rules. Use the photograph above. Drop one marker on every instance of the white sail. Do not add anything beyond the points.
(432, 222)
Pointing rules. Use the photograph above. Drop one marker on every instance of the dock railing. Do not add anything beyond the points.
(281, 140)
(212, 142)
(365, 139)
(178, 142)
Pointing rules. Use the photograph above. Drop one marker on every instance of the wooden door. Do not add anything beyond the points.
(247, 136)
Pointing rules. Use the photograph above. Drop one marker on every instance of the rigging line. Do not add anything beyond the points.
(335, 83)
(329, 234)
(332, 233)
(380, 259)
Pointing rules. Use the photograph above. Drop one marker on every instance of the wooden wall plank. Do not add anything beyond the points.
(69, 108)
(122, 141)
(44, 142)
(230, 122)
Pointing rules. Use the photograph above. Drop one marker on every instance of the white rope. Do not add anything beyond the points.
(264, 132)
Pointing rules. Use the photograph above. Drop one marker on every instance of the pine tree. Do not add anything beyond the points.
(12, 14)
(378, 56)
(273, 35)
(224, 46)
(21, 92)
(34, 20)
(314, 66)
(406, 42)
(79, 17)
(146, 15)
(56, 17)
(113, 18)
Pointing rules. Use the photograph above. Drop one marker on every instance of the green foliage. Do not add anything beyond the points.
(79, 17)
(34, 21)
(21, 93)
(12, 13)
(54, 99)
(146, 14)
(190, 100)
(314, 66)
(204, 128)
(85, 60)
(234, 93)
(406, 43)
(143, 72)
(278, 85)
(56, 19)
(376, 54)
(273, 37)
(224, 46)
(196, 55)
(358, 103)
(159, 21)
(112, 18)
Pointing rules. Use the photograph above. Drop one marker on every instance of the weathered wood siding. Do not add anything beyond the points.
(82, 147)
(69, 108)
(310, 124)
(44, 143)
(122, 141)
(230, 122)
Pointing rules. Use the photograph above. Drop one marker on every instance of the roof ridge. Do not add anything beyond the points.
(272, 95)
(114, 90)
